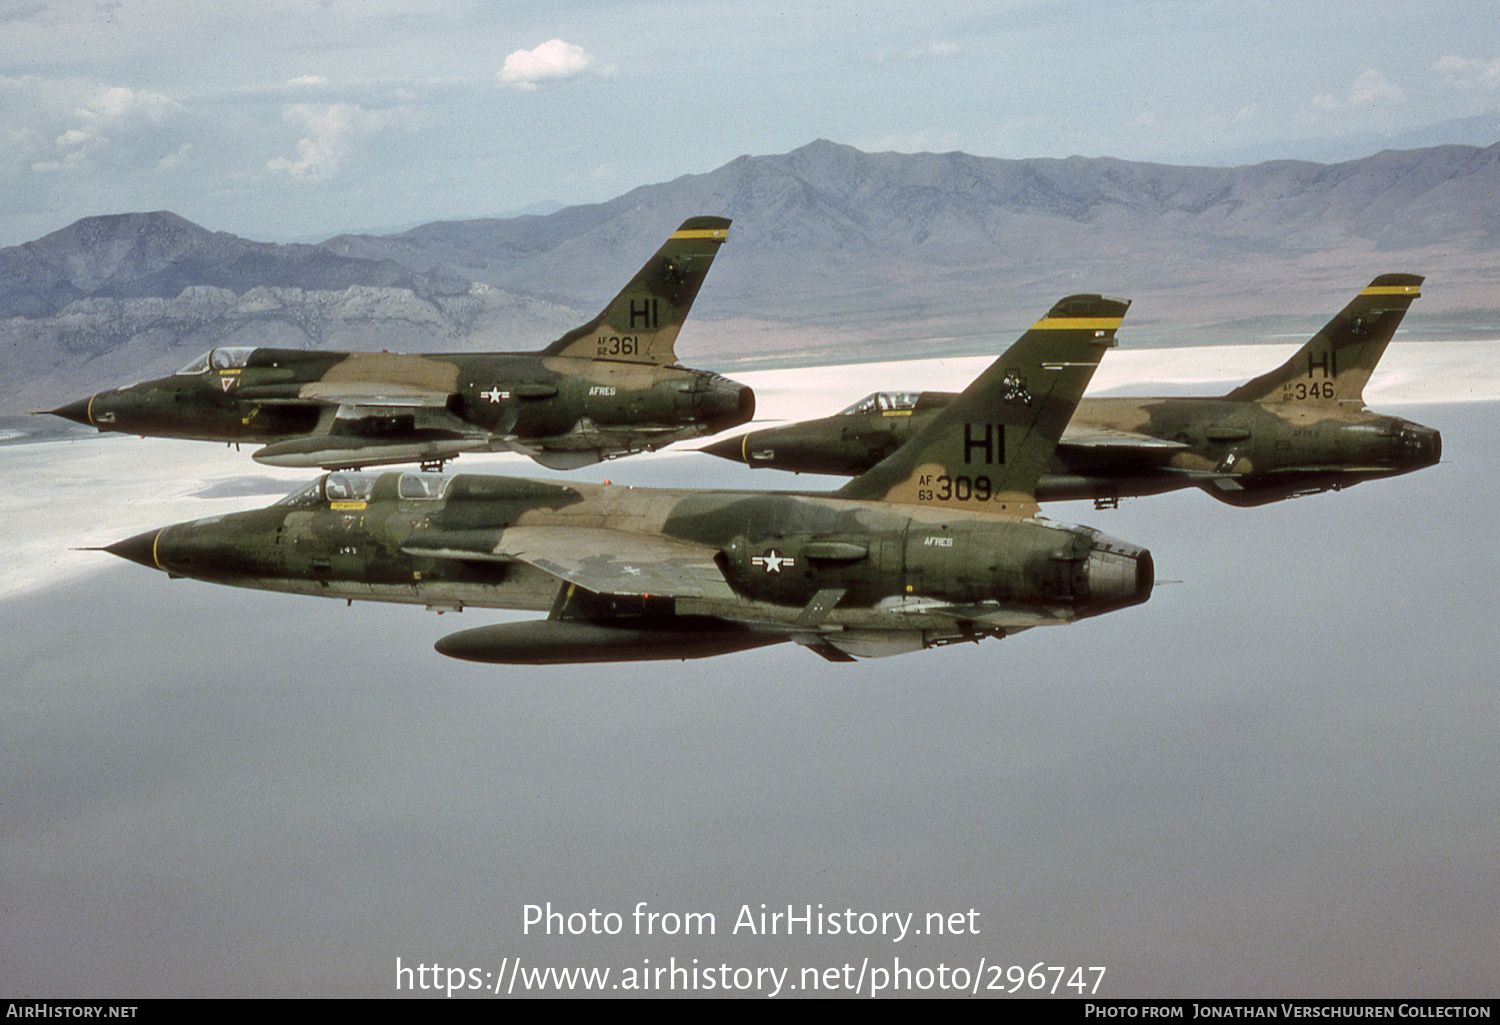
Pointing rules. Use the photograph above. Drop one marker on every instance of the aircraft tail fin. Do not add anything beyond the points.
(1337, 361)
(988, 448)
(640, 324)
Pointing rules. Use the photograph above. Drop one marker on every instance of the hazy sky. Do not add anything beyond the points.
(286, 119)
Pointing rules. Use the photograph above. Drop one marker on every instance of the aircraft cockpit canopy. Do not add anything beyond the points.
(355, 486)
(414, 486)
(225, 357)
(341, 486)
(883, 402)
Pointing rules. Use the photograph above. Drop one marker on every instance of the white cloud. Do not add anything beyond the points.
(119, 104)
(329, 133)
(73, 124)
(1370, 89)
(1373, 87)
(553, 61)
(1463, 73)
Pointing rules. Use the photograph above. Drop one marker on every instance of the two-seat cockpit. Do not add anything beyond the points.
(333, 490)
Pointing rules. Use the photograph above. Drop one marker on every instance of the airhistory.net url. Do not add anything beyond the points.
(690, 975)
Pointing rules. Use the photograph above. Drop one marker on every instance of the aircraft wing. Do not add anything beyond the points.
(598, 559)
(1114, 438)
(357, 395)
(384, 423)
(354, 398)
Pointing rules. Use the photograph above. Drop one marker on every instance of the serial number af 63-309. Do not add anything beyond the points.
(961, 489)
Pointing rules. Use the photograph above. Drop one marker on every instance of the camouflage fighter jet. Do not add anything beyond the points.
(1300, 429)
(939, 543)
(609, 388)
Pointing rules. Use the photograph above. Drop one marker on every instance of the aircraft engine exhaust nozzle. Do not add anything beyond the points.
(725, 404)
(1119, 575)
(564, 642)
(1419, 446)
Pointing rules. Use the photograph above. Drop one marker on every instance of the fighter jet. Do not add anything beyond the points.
(939, 543)
(1300, 429)
(609, 388)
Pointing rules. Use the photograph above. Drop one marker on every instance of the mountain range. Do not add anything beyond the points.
(834, 253)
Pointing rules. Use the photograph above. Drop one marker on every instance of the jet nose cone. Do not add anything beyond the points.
(78, 411)
(142, 549)
(732, 449)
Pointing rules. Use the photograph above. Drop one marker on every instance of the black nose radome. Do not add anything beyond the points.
(78, 412)
(141, 549)
(730, 448)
